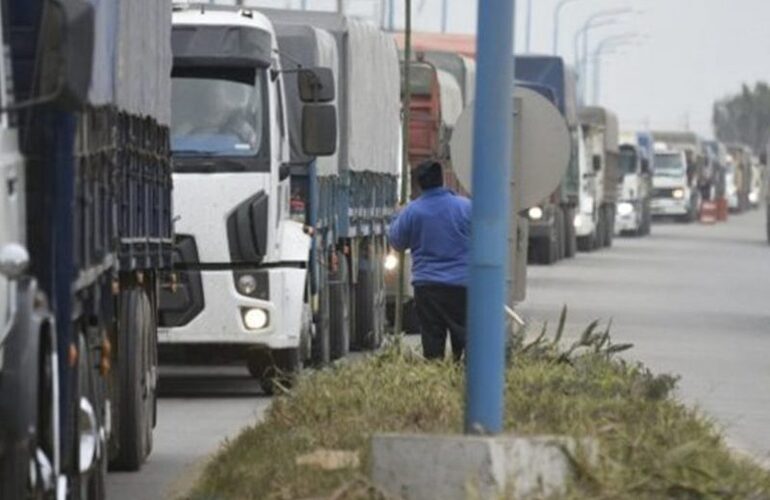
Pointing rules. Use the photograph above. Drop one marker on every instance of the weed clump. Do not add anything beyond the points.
(651, 446)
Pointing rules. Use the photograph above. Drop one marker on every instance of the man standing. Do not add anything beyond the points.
(436, 227)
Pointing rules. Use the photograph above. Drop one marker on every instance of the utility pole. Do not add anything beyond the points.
(557, 21)
(392, 15)
(492, 160)
(405, 167)
(444, 15)
(340, 6)
(528, 32)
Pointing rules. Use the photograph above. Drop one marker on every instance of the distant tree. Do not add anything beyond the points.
(745, 117)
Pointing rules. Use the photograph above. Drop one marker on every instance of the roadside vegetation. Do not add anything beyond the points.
(314, 441)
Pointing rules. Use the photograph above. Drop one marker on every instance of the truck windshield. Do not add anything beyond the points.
(669, 165)
(218, 115)
(627, 161)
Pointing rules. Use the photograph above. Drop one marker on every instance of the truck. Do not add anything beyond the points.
(279, 250)
(633, 215)
(595, 223)
(436, 103)
(86, 236)
(552, 232)
(739, 177)
(717, 158)
(678, 193)
(461, 67)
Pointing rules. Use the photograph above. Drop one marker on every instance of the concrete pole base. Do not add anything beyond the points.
(424, 467)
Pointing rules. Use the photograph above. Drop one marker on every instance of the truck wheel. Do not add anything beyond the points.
(767, 217)
(569, 233)
(320, 345)
(561, 250)
(14, 474)
(135, 402)
(585, 243)
(599, 231)
(92, 483)
(339, 310)
(370, 300)
(275, 369)
(609, 227)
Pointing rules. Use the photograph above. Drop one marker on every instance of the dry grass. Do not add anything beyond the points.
(652, 447)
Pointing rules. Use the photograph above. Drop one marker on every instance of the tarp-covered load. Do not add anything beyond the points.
(308, 47)
(368, 89)
(551, 72)
(132, 57)
(605, 119)
(451, 98)
(462, 68)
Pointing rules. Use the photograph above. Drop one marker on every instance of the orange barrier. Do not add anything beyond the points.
(709, 212)
(722, 209)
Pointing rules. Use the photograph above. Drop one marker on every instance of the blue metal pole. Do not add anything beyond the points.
(492, 159)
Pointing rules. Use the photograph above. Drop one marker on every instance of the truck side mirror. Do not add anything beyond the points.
(68, 52)
(319, 130)
(597, 163)
(316, 85)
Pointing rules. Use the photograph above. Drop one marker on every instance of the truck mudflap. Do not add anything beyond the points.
(231, 316)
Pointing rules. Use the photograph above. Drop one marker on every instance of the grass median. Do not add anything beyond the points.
(314, 440)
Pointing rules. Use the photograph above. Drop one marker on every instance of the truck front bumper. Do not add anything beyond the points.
(669, 206)
(277, 316)
(628, 221)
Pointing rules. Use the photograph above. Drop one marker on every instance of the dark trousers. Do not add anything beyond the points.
(441, 309)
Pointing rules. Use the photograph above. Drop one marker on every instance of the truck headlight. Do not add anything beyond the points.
(247, 284)
(678, 194)
(535, 213)
(255, 318)
(625, 208)
(578, 221)
(391, 261)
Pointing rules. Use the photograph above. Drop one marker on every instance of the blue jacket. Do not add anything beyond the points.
(436, 227)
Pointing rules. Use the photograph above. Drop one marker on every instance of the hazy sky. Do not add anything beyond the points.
(696, 51)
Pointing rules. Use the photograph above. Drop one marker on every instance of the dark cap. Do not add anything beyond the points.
(429, 174)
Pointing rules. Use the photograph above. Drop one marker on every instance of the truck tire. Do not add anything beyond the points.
(767, 218)
(411, 322)
(275, 369)
(93, 483)
(370, 300)
(339, 309)
(14, 474)
(320, 344)
(571, 238)
(585, 243)
(561, 236)
(609, 227)
(135, 404)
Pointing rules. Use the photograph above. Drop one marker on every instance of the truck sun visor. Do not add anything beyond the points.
(221, 45)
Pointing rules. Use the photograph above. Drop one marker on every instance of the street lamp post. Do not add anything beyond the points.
(607, 46)
(556, 22)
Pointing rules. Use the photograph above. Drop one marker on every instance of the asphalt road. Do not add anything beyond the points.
(199, 408)
(695, 301)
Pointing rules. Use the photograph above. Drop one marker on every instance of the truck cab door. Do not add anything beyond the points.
(11, 213)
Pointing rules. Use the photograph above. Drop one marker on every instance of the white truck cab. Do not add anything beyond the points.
(672, 194)
(634, 190)
(241, 260)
